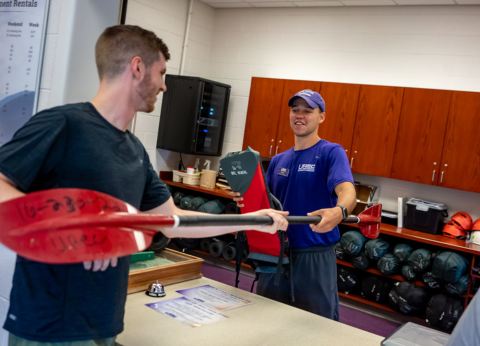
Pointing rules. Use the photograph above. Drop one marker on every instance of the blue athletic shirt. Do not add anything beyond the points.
(304, 181)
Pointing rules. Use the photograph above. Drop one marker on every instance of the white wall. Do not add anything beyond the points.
(434, 47)
(168, 20)
(69, 73)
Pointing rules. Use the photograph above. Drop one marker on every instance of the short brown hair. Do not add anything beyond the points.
(119, 44)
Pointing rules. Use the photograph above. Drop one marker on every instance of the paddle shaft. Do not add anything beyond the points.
(237, 220)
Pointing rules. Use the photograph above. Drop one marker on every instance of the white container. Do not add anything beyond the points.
(178, 176)
(191, 179)
(190, 170)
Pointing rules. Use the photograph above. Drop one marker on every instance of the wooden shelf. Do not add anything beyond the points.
(223, 259)
(216, 191)
(377, 272)
(360, 299)
(365, 301)
(432, 239)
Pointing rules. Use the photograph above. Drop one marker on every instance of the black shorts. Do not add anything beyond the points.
(315, 282)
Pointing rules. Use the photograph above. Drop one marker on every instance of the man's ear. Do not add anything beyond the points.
(137, 68)
(322, 118)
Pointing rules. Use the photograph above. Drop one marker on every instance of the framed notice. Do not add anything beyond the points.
(22, 38)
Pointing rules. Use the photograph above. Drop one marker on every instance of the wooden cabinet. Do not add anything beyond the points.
(460, 166)
(341, 103)
(262, 116)
(376, 127)
(420, 136)
(340, 111)
(285, 136)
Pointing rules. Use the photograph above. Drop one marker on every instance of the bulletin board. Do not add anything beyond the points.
(22, 38)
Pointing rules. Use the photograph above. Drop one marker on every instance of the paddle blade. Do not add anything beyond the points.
(78, 244)
(71, 245)
(58, 204)
(370, 221)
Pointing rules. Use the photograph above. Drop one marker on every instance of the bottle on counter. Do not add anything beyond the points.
(197, 162)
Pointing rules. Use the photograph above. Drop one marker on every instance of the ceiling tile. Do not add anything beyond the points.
(229, 4)
(221, 1)
(317, 3)
(367, 2)
(272, 4)
(425, 2)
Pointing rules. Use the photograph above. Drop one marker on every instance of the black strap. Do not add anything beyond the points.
(257, 276)
(239, 248)
(292, 296)
(278, 273)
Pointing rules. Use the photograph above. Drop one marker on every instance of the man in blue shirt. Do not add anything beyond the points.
(312, 178)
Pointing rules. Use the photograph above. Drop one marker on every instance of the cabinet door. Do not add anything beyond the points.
(285, 136)
(460, 167)
(376, 129)
(341, 102)
(421, 132)
(262, 116)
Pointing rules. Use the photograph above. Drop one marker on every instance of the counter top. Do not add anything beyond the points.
(264, 323)
(215, 191)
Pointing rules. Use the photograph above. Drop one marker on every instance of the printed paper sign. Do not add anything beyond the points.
(214, 297)
(188, 312)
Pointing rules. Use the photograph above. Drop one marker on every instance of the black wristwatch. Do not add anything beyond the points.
(344, 211)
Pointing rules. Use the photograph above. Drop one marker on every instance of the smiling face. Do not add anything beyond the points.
(304, 120)
(151, 85)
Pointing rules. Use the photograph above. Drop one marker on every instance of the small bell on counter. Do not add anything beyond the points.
(155, 289)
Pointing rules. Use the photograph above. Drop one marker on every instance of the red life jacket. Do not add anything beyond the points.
(265, 250)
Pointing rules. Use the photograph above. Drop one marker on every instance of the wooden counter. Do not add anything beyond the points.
(432, 239)
(216, 191)
(264, 323)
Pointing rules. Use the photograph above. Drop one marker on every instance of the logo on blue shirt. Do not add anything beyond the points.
(283, 171)
(306, 167)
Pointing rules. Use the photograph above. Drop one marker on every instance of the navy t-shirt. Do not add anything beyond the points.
(304, 181)
(73, 146)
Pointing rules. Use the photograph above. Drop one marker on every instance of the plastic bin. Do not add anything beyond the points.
(425, 216)
(411, 334)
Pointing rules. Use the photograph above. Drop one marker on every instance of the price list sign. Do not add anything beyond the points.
(22, 36)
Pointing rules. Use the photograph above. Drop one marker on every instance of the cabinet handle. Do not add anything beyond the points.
(276, 150)
(351, 163)
(441, 178)
(433, 176)
(270, 150)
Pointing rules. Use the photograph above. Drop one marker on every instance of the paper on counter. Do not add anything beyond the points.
(214, 297)
(188, 311)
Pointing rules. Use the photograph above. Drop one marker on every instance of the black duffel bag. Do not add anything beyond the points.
(443, 312)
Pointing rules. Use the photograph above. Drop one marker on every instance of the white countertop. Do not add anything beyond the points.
(264, 323)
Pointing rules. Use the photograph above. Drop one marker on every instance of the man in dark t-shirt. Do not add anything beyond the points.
(86, 145)
(311, 178)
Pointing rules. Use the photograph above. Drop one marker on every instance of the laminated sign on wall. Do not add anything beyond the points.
(22, 34)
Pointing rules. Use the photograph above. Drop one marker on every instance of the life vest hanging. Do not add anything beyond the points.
(244, 174)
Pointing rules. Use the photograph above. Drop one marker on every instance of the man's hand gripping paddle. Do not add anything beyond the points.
(73, 225)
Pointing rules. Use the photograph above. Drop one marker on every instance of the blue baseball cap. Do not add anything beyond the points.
(313, 99)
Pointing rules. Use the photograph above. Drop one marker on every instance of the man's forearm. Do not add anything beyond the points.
(8, 190)
(197, 232)
(348, 202)
(168, 208)
(347, 197)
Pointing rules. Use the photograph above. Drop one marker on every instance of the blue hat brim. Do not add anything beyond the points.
(310, 102)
